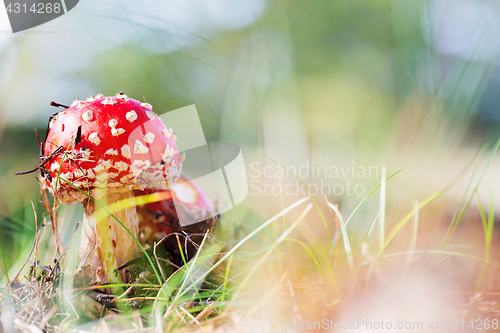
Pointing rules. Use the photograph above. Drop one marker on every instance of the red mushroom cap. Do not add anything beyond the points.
(187, 193)
(158, 219)
(113, 144)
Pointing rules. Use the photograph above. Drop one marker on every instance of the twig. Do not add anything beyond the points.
(52, 103)
(42, 164)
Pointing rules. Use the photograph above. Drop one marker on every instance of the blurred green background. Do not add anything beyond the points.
(342, 82)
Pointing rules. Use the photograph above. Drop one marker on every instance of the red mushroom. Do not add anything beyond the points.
(107, 147)
(187, 212)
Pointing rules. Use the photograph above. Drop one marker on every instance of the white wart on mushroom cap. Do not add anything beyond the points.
(122, 147)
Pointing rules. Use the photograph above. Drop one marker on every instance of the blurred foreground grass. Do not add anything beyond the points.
(271, 275)
(333, 83)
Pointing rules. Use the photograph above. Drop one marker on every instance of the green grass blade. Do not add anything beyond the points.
(347, 245)
(481, 213)
(381, 220)
(413, 240)
(185, 263)
(488, 235)
(405, 219)
(311, 254)
(373, 225)
(226, 276)
(454, 224)
(62, 161)
(368, 195)
(190, 269)
(5, 271)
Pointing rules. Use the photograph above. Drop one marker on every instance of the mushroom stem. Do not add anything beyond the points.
(106, 244)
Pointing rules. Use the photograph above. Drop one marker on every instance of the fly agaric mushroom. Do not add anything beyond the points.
(107, 147)
(167, 219)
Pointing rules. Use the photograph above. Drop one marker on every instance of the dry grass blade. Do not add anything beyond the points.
(206, 312)
(193, 319)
